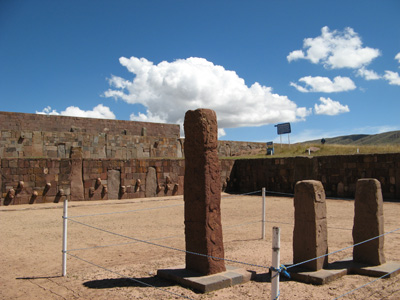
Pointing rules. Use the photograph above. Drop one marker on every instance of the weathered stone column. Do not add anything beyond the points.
(368, 222)
(77, 190)
(202, 193)
(310, 234)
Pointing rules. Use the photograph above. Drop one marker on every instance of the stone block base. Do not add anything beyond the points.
(388, 269)
(341, 268)
(332, 272)
(205, 284)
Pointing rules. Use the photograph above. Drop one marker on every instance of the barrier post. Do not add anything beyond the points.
(64, 244)
(276, 245)
(263, 215)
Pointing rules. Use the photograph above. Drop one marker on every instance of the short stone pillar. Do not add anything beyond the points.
(368, 222)
(202, 193)
(310, 234)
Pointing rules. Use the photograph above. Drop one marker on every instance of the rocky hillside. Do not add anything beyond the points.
(386, 138)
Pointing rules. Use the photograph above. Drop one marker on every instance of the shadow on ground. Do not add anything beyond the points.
(127, 282)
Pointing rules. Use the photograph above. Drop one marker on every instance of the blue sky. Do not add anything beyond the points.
(329, 68)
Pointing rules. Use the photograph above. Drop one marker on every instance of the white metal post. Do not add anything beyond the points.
(276, 245)
(263, 215)
(64, 244)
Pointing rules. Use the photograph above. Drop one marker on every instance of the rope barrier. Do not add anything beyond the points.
(123, 244)
(169, 247)
(238, 195)
(348, 247)
(154, 208)
(232, 261)
(282, 269)
(130, 278)
(352, 291)
(126, 211)
(156, 239)
(279, 193)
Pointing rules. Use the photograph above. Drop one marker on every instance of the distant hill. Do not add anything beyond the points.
(386, 138)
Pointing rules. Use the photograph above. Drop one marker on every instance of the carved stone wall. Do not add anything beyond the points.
(42, 136)
(47, 123)
(86, 179)
(338, 174)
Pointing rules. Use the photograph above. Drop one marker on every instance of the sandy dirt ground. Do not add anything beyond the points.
(31, 243)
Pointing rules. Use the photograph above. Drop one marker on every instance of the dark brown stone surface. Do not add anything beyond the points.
(310, 234)
(77, 191)
(114, 183)
(368, 222)
(202, 193)
(151, 182)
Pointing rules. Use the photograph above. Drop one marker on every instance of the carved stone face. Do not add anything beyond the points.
(11, 193)
(105, 189)
(91, 191)
(138, 184)
(98, 181)
(21, 185)
(123, 189)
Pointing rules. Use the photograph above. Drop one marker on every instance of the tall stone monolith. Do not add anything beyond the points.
(368, 222)
(310, 234)
(202, 193)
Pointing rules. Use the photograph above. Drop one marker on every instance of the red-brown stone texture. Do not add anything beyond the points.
(37, 122)
(338, 173)
(33, 135)
(202, 193)
(310, 234)
(79, 178)
(368, 222)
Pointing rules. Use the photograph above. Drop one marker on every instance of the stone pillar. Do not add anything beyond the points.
(202, 193)
(310, 234)
(151, 182)
(77, 190)
(368, 222)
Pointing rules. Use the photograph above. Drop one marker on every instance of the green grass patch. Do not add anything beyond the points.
(300, 149)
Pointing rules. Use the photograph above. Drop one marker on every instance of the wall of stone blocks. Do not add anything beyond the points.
(43, 136)
(234, 148)
(45, 144)
(338, 174)
(133, 177)
(36, 174)
(36, 122)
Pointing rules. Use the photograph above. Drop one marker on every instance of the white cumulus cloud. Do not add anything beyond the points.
(295, 55)
(368, 74)
(100, 112)
(336, 49)
(392, 77)
(397, 57)
(324, 84)
(169, 89)
(330, 107)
